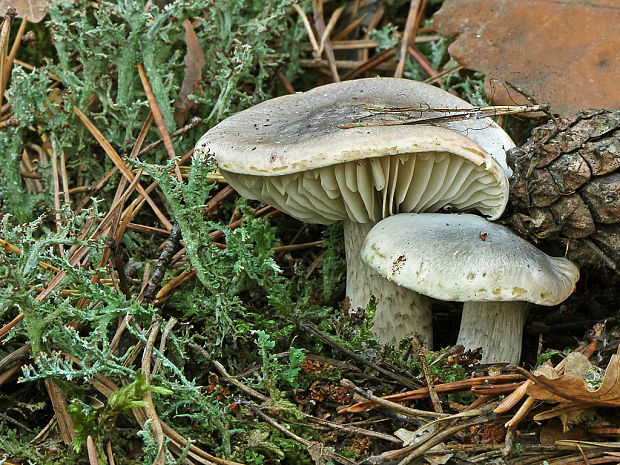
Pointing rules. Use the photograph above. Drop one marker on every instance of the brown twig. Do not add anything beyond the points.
(155, 424)
(159, 120)
(457, 349)
(120, 164)
(380, 57)
(422, 61)
(290, 248)
(64, 177)
(11, 57)
(429, 383)
(59, 404)
(410, 26)
(31, 175)
(146, 229)
(195, 121)
(8, 374)
(411, 412)
(456, 386)
(161, 266)
(348, 29)
(349, 428)
(496, 390)
(17, 355)
(455, 69)
(92, 451)
(166, 291)
(419, 449)
(13, 249)
(316, 449)
(34, 68)
(308, 26)
(7, 327)
(162, 342)
(414, 115)
(320, 66)
(106, 177)
(319, 24)
(19, 424)
(372, 24)
(329, 341)
(82, 250)
(287, 85)
(219, 367)
(5, 29)
(109, 453)
(56, 184)
(368, 43)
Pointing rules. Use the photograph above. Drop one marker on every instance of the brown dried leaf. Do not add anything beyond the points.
(194, 62)
(561, 53)
(33, 10)
(571, 386)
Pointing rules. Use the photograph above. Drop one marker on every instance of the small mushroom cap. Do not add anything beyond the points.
(291, 153)
(462, 257)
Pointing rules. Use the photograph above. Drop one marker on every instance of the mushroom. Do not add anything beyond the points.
(290, 152)
(465, 258)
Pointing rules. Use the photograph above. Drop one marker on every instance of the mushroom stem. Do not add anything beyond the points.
(497, 327)
(400, 312)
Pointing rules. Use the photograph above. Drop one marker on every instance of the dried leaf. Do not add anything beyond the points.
(34, 10)
(573, 385)
(561, 53)
(194, 62)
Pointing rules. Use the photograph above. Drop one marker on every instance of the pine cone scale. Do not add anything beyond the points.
(603, 198)
(565, 189)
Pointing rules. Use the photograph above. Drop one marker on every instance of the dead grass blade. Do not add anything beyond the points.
(411, 412)
(321, 29)
(81, 251)
(456, 386)
(194, 62)
(451, 114)
(155, 424)
(11, 57)
(5, 30)
(59, 403)
(120, 164)
(410, 30)
(92, 451)
(11, 248)
(159, 121)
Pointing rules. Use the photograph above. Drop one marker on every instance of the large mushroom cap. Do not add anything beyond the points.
(466, 258)
(291, 153)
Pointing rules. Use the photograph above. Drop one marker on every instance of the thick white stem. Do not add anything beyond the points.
(400, 312)
(497, 327)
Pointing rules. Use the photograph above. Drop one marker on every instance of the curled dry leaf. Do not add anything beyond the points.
(194, 62)
(33, 10)
(580, 382)
(561, 53)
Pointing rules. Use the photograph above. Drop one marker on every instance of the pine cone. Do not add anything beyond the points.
(565, 188)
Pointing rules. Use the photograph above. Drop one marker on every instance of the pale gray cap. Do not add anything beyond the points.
(282, 152)
(463, 257)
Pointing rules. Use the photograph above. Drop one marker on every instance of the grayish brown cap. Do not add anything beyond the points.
(291, 153)
(462, 257)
